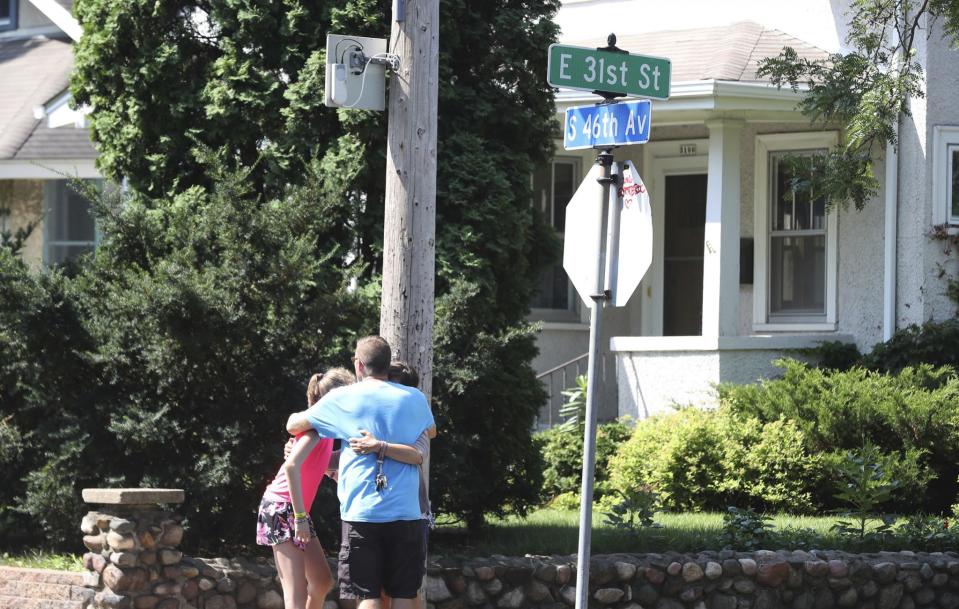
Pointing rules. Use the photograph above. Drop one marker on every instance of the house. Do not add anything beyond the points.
(744, 270)
(43, 142)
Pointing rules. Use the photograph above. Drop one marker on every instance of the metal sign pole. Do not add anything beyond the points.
(600, 297)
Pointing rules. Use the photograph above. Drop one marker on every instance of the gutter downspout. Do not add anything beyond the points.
(890, 247)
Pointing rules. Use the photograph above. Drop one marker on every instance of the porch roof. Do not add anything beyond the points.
(713, 69)
(728, 52)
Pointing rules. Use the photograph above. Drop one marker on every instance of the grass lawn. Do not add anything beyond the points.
(42, 560)
(550, 531)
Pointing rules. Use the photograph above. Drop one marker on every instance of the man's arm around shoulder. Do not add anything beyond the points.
(325, 418)
(298, 423)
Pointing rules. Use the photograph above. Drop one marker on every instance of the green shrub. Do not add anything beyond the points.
(47, 405)
(835, 355)
(562, 453)
(565, 501)
(11, 443)
(744, 529)
(910, 414)
(933, 343)
(708, 460)
(767, 465)
(679, 455)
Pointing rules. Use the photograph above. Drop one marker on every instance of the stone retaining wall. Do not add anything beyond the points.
(133, 563)
(709, 580)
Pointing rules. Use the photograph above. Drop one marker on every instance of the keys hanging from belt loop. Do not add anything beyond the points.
(380, 480)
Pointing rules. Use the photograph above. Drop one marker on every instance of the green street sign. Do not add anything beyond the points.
(591, 70)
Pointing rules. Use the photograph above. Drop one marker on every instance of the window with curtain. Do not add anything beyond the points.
(797, 241)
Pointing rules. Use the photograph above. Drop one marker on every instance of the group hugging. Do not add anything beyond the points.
(385, 424)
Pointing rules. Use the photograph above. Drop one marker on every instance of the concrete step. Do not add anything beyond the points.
(28, 589)
(44, 576)
(43, 589)
(19, 602)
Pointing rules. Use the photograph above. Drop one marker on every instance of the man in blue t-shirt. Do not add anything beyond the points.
(383, 545)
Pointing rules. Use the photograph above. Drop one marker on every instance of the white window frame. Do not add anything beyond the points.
(945, 140)
(788, 142)
(571, 313)
(51, 189)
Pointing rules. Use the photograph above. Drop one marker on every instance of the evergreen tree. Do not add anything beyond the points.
(253, 102)
(174, 354)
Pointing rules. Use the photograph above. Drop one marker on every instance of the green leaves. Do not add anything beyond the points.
(866, 485)
(745, 530)
(633, 509)
(574, 409)
(864, 90)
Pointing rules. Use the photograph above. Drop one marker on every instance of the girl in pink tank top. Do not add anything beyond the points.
(283, 521)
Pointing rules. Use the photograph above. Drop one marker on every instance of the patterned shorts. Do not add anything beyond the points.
(275, 522)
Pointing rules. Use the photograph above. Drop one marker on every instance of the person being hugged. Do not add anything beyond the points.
(383, 545)
(283, 521)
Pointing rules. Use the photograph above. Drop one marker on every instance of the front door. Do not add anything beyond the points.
(684, 231)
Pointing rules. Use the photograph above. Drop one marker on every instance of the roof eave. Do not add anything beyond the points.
(707, 95)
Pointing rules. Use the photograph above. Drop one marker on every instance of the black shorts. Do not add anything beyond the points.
(387, 556)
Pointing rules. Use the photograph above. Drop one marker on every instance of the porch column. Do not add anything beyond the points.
(721, 241)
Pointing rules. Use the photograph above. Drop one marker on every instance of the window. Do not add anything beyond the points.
(795, 237)
(553, 187)
(69, 228)
(8, 15)
(946, 175)
(797, 245)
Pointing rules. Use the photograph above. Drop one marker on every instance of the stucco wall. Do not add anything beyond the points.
(941, 109)
(652, 382)
(25, 201)
(861, 273)
(920, 294)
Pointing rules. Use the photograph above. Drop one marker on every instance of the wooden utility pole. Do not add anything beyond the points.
(409, 227)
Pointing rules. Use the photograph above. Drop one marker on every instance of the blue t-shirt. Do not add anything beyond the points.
(391, 412)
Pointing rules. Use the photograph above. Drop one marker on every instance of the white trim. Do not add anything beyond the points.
(890, 247)
(558, 326)
(943, 137)
(48, 169)
(58, 112)
(720, 313)
(701, 88)
(625, 344)
(661, 159)
(794, 327)
(60, 17)
(779, 142)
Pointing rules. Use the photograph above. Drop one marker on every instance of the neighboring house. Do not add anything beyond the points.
(42, 141)
(744, 270)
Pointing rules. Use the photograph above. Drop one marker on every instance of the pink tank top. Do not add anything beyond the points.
(311, 474)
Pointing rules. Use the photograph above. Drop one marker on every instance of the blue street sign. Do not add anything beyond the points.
(607, 125)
